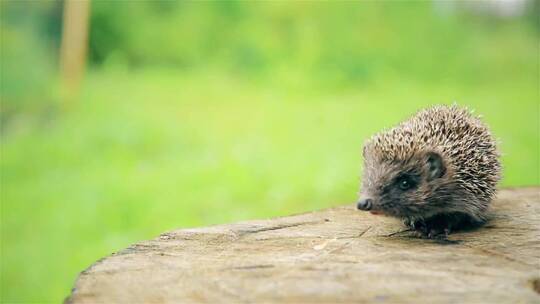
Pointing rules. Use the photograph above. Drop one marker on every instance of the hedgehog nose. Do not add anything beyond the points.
(365, 204)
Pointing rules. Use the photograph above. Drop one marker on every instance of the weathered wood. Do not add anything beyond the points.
(333, 255)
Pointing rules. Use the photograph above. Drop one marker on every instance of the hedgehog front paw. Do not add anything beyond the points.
(408, 222)
(412, 223)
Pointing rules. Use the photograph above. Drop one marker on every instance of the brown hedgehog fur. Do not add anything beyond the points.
(437, 170)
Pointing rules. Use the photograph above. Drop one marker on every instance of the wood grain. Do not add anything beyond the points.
(332, 255)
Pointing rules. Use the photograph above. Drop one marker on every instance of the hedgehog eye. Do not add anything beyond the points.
(405, 183)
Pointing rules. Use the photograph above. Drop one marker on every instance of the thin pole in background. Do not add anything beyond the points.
(74, 45)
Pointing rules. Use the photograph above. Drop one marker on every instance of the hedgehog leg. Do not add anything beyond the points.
(419, 226)
(442, 224)
(437, 227)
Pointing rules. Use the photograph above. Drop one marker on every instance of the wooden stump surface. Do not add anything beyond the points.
(333, 255)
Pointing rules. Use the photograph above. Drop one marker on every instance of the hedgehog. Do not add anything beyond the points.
(437, 171)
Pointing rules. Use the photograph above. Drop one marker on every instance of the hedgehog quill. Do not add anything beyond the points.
(437, 171)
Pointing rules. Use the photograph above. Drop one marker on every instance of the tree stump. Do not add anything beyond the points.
(332, 255)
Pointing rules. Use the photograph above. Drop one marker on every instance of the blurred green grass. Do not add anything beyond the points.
(267, 124)
(145, 153)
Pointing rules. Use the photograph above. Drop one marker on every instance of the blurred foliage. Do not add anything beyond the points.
(197, 113)
(29, 35)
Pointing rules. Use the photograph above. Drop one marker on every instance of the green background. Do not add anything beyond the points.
(199, 113)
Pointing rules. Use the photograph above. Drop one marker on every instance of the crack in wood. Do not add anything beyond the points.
(249, 267)
(241, 233)
(398, 232)
(355, 236)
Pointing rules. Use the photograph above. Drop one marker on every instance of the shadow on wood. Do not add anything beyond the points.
(333, 255)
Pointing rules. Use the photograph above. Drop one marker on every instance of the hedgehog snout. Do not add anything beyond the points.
(364, 204)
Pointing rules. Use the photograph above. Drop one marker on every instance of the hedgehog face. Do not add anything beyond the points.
(402, 187)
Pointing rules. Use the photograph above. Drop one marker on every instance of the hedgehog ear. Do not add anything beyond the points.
(436, 168)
